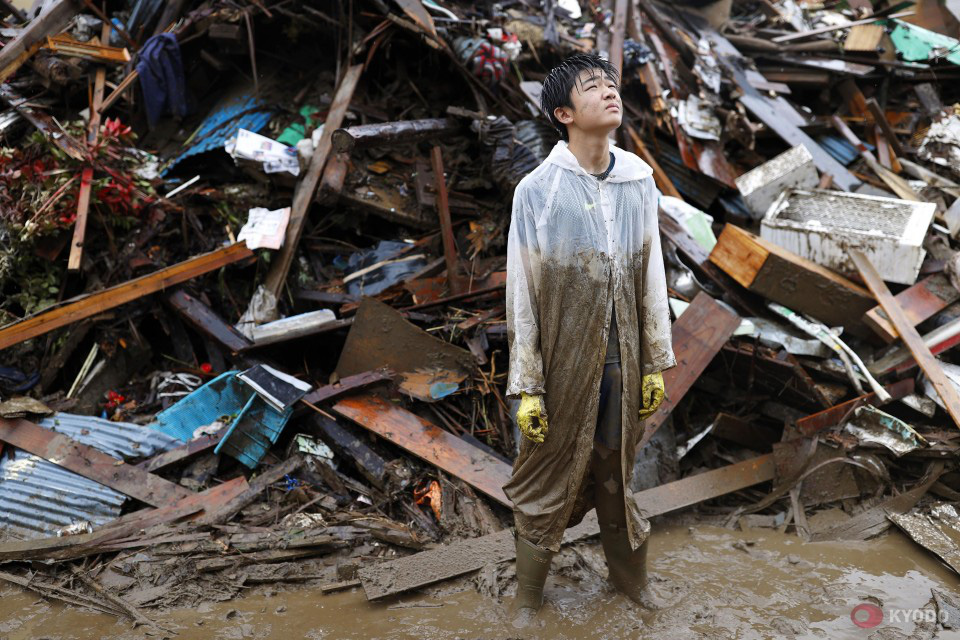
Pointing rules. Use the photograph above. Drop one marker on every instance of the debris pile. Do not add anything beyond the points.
(252, 263)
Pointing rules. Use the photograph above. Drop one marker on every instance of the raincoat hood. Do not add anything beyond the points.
(626, 168)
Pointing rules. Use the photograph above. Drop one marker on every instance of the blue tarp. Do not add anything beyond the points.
(244, 112)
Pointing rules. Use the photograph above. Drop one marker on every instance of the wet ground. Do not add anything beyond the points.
(712, 583)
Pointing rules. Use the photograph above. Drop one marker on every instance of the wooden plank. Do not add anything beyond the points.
(928, 363)
(43, 121)
(919, 302)
(773, 114)
(659, 175)
(93, 130)
(698, 334)
(446, 227)
(307, 185)
(412, 433)
(90, 463)
(116, 93)
(455, 559)
(827, 418)
(182, 453)
(68, 46)
(101, 301)
(207, 322)
(795, 282)
(347, 445)
(896, 184)
(80, 224)
(78, 546)
(56, 18)
(229, 508)
(698, 258)
(881, 119)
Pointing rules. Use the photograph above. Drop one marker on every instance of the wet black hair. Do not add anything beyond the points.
(559, 83)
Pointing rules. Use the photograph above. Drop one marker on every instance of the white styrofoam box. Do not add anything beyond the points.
(823, 226)
(762, 185)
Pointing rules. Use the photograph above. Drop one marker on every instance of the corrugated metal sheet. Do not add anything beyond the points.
(841, 150)
(243, 112)
(38, 497)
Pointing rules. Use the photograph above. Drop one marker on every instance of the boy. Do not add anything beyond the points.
(588, 329)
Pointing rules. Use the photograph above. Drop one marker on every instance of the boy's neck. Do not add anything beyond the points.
(591, 151)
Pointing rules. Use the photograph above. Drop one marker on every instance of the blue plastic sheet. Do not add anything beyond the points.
(253, 424)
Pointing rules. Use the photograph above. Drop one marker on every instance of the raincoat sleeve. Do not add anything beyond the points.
(523, 321)
(656, 336)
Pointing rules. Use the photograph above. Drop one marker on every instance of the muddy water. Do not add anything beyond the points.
(711, 582)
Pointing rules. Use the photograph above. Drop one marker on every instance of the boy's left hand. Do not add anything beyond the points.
(651, 394)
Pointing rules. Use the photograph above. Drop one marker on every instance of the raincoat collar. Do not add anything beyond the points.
(627, 166)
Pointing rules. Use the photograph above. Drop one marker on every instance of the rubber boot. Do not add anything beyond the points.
(533, 564)
(628, 567)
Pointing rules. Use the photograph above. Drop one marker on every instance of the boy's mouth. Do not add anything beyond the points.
(613, 106)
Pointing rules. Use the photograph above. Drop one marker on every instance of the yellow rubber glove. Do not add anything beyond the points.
(651, 394)
(532, 417)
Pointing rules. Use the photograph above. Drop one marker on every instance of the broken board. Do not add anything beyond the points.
(455, 559)
(918, 302)
(795, 282)
(921, 353)
(91, 463)
(101, 301)
(428, 442)
(698, 334)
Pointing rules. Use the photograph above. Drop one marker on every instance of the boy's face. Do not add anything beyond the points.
(596, 104)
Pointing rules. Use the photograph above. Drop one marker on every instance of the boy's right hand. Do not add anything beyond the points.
(532, 417)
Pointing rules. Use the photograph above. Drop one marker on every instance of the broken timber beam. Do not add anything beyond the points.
(56, 18)
(90, 463)
(698, 334)
(791, 280)
(207, 322)
(919, 302)
(182, 453)
(389, 133)
(455, 559)
(115, 296)
(771, 113)
(428, 442)
(229, 508)
(43, 121)
(921, 353)
(307, 185)
(78, 546)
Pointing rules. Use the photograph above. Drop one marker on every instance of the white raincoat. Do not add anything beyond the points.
(565, 275)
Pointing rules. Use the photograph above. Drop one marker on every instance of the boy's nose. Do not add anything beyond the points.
(610, 93)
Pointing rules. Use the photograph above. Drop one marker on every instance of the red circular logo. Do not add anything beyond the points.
(866, 616)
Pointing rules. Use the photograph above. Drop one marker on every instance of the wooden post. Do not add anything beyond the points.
(446, 227)
(86, 181)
